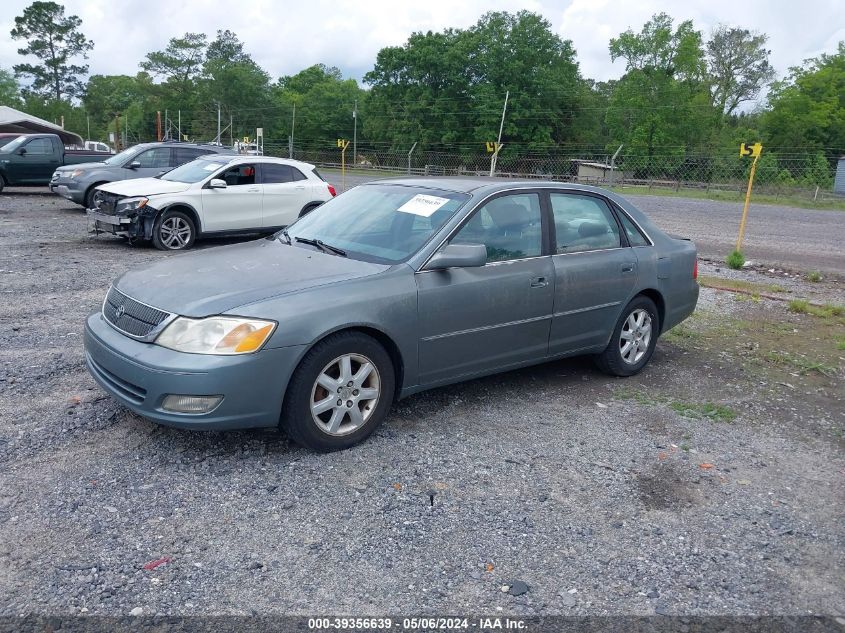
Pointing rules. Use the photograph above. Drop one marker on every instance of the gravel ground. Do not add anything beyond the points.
(802, 239)
(709, 484)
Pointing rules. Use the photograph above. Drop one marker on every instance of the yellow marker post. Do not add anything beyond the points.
(342, 144)
(747, 150)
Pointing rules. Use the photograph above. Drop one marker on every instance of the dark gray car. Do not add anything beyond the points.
(389, 289)
(78, 183)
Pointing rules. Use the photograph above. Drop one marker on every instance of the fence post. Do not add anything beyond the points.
(613, 163)
(410, 151)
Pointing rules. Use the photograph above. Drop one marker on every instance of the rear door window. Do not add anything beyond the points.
(635, 236)
(182, 155)
(583, 223)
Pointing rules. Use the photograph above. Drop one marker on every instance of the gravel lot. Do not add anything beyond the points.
(712, 483)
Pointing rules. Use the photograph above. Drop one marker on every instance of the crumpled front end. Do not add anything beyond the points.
(131, 217)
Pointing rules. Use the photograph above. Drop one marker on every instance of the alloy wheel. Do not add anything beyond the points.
(635, 336)
(345, 394)
(175, 233)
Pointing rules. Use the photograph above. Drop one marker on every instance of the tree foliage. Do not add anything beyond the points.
(449, 87)
(738, 66)
(807, 109)
(9, 89)
(55, 39)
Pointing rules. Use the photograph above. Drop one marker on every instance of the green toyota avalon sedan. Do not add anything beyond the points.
(391, 288)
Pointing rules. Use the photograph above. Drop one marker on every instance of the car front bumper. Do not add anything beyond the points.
(69, 189)
(140, 376)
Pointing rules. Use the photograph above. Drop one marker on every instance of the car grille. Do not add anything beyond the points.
(132, 317)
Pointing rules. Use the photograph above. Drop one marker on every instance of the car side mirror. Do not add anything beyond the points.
(134, 164)
(22, 151)
(217, 183)
(458, 256)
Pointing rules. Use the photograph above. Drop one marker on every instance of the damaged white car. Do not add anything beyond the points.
(211, 196)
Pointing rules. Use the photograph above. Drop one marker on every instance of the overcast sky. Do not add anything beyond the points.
(285, 37)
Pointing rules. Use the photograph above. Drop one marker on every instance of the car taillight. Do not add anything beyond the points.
(332, 191)
(695, 269)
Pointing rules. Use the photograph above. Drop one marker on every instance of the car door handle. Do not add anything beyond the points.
(253, 190)
(539, 282)
(300, 187)
(628, 268)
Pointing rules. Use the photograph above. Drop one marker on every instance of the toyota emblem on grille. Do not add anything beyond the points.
(119, 311)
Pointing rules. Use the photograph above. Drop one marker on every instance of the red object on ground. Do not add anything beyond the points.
(332, 191)
(155, 563)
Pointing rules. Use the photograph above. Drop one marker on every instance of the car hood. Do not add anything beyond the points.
(92, 165)
(218, 280)
(144, 187)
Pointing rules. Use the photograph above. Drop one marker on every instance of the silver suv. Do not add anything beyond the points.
(78, 183)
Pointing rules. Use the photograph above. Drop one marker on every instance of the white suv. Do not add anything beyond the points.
(212, 195)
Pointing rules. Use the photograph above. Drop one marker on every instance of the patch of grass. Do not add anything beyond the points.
(840, 344)
(735, 260)
(680, 333)
(814, 276)
(827, 311)
(707, 410)
(803, 364)
(709, 281)
(687, 409)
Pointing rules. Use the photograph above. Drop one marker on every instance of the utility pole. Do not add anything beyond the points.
(231, 131)
(218, 123)
(355, 134)
(499, 141)
(126, 131)
(117, 131)
(158, 125)
(179, 123)
(292, 125)
(88, 123)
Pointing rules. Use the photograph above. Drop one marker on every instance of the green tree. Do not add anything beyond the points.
(738, 67)
(807, 109)
(324, 104)
(180, 64)
(234, 81)
(9, 89)
(55, 39)
(448, 88)
(661, 104)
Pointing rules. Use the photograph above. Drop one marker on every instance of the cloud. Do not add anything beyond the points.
(285, 37)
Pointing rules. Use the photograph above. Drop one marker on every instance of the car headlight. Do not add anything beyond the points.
(131, 204)
(75, 173)
(216, 335)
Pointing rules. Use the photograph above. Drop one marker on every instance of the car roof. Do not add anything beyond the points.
(247, 158)
(482, 184)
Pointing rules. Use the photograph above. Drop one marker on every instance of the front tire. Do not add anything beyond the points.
(633, 340)
(174, 231)
(341, 391)
(91, 196)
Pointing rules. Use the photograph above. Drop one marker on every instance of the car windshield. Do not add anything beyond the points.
(379, 223)
(122, 157)
(13, 145)
(196, 170)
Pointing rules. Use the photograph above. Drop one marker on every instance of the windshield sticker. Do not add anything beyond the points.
(423, 205)
(212, 166)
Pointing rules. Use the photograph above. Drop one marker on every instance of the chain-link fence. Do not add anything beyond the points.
(808, 176)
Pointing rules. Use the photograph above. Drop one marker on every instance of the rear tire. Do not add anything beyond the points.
(633, 340)
(341, 391)
(174, 231)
